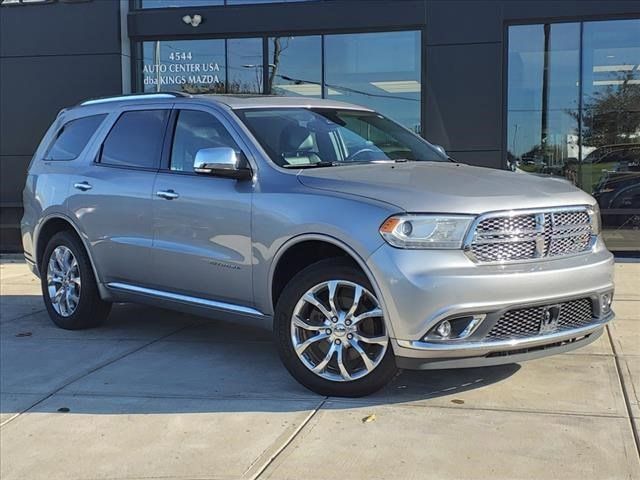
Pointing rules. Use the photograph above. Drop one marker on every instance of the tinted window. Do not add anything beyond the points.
(136, 139)
(73, 138)
(194, 131)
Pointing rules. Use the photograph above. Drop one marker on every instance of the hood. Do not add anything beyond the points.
(441, 187)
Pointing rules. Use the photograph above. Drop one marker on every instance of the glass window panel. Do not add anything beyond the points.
(191, 66)
(295, 137)
(245, 2)
(366, 69)
(244, 65)
(179, 3)
(136, 139)
(295, 66)
(205, 3)
(543, 98)
(194, 131)
(610, 168)
(73, 137)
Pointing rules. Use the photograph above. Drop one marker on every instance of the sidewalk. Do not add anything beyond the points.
(158, 394)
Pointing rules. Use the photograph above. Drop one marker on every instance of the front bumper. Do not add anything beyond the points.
(419, 288)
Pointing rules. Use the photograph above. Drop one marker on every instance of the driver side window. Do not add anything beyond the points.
(194, 131)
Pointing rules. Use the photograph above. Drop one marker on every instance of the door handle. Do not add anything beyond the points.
(167, 194)
(84, 186)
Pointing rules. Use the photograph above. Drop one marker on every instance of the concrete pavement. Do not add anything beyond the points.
(157, 394)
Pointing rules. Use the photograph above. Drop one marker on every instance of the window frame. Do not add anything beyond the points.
(165, 164)
(97, 161)
(60, 131)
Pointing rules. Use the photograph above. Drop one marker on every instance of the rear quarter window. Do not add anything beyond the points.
(73, 137)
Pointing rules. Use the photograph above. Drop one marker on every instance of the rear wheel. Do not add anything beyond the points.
(331, 331)
(69, 286)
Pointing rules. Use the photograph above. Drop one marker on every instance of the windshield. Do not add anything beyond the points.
(319, 137)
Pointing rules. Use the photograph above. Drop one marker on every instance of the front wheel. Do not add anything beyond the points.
(331, 332)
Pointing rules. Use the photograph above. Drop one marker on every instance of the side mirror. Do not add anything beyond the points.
(222, 162)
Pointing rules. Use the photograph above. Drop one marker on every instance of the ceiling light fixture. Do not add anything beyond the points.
(398, 86)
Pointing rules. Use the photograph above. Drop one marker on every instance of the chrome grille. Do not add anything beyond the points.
(514, 236)
(527, 322)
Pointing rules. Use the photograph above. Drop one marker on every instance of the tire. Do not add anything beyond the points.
(355, 377)
(89, 310)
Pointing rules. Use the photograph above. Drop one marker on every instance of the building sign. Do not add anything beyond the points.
(169, 66)
(181, 74)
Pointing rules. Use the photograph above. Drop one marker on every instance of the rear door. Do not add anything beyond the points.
(202, 223)
(110, 197)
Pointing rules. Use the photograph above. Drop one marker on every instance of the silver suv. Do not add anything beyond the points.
(366, 247)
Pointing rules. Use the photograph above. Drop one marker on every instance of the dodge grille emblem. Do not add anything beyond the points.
(549, 321)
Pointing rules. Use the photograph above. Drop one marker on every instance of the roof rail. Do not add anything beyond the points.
(135, 96)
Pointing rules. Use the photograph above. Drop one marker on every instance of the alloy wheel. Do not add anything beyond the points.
(63, 281)
(338, 331)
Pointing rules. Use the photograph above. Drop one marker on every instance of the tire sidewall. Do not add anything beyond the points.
(333, 269)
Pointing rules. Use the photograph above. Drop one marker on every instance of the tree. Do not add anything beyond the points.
(612, 115)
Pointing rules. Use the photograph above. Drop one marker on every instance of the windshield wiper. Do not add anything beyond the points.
(344, 164)
(311, 165)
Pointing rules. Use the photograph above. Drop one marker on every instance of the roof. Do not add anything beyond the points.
(232, 101)
(271, 101)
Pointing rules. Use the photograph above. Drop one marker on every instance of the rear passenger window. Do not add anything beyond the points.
(136, 139)
(73, 137)
(196, 130)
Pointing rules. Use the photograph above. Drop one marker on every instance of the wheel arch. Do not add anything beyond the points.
(53, 224)
(311, 238)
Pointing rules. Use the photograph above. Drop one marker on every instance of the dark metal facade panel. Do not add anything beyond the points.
(464, 96)
(488, 158)
(536, 11)
(34, 89)
(10, 240)
(463, 21)
(60, 28)
(13, 171)
(303, 17)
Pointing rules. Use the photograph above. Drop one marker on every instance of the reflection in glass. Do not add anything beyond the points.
(205, 3)
(179, 3)
(295, 66)
(611, 127)
(377, 70)
(244, 65)
(548, 97)
(543, 98)
(245, 2)
(190, 66)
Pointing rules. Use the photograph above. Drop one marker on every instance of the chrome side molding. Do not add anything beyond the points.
(186, 299)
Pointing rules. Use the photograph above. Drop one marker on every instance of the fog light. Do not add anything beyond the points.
(444, 329)
(455, 328)
(605, 302)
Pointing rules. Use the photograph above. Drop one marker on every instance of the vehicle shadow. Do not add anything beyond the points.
(149, 360)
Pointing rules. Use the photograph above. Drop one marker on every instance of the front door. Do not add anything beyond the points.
(202, 223)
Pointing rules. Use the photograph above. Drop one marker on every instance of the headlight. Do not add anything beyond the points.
(594, 214)
(426, 231)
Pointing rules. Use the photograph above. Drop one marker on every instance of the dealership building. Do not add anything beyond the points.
(549, 87)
